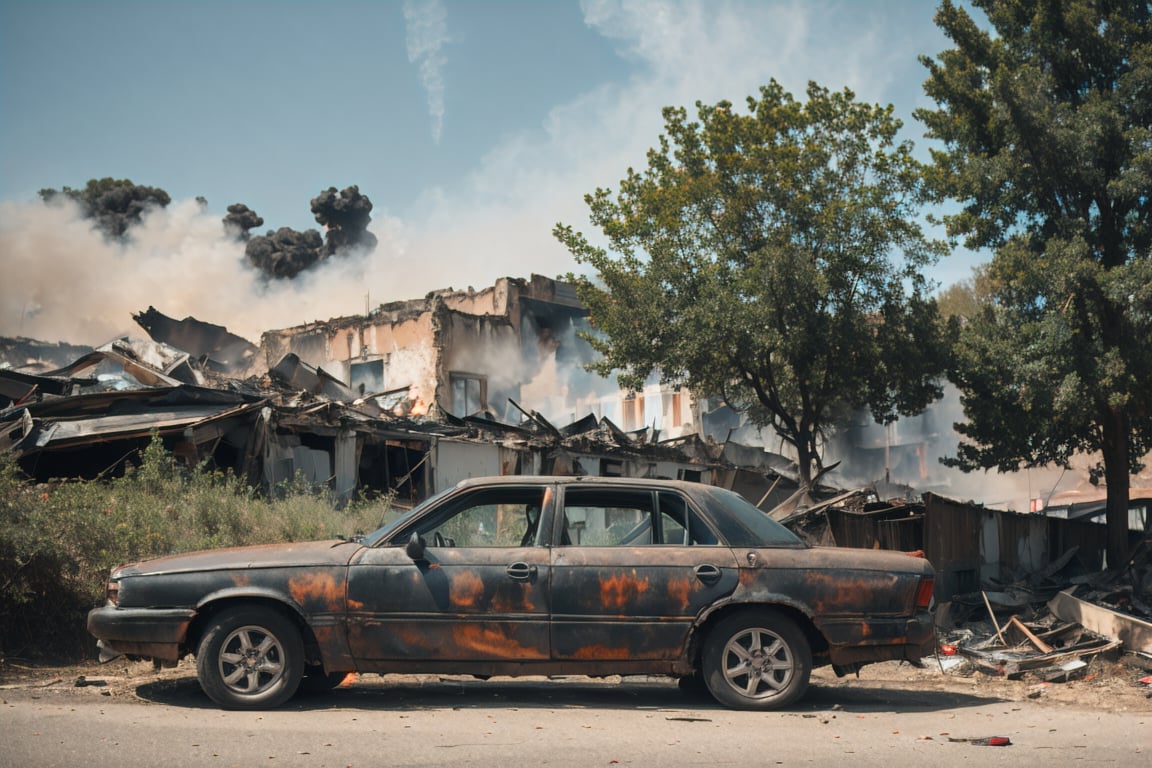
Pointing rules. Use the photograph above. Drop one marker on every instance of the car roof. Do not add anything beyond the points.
(630, 482)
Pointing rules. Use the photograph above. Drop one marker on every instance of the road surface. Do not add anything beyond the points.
(164, 720)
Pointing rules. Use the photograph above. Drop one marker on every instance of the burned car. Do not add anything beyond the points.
(530, 576)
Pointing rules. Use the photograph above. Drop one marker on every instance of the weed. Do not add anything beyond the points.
(58, 541)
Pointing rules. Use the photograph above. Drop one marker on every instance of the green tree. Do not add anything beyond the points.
(773, 259)
(966, 299)
(1044, 114)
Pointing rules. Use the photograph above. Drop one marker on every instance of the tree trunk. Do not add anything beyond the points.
(1117, 482)
(805, 459)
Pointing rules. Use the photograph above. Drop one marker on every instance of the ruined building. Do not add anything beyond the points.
(406, 399)
(469, 353)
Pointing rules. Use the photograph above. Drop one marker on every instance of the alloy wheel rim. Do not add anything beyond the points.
(757, 663)
(251, 661)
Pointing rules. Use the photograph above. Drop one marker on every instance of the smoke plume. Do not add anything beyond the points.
(114, 204)
(286, 253)
(426, 25)
(240, 219)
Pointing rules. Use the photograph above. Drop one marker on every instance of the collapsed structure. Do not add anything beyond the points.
(405, 400)
(413, 396)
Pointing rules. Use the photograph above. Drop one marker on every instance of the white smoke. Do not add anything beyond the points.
(65, 281)
(426, 24)
(61, 281)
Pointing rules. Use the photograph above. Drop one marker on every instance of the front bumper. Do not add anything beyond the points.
(156, 633)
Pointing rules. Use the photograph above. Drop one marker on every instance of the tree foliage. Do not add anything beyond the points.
(114, 204)
(966, 299)
(1045, 121)
(773, 258)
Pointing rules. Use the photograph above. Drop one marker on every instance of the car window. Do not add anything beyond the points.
(744, 525)
(681, 524)
(629, 518)
(489, 517)
(386, 532)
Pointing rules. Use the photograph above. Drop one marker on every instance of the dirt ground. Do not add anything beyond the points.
(1104, 685)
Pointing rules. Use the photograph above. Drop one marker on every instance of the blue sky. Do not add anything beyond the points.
(473, 127)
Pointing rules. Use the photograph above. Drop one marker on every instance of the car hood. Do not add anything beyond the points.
(312, 553)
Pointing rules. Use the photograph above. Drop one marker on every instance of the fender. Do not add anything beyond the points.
(329, 628)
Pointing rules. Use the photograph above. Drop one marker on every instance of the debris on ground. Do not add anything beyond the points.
(1046, 628)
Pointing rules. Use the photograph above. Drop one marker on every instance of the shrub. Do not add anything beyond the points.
(59, 541)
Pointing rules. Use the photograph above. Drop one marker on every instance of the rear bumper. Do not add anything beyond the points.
(157, 633)
(857, 643)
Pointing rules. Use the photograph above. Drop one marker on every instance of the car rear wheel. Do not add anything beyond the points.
(757, 660)
(250, 657)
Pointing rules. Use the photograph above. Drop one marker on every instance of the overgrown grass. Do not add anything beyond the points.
(58, 542)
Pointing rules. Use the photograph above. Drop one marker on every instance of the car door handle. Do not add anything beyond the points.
(521, 571)
(707, 573)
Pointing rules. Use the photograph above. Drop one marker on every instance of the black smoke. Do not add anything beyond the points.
(286, 253)
(240, 219)
(115, 205)
(346, 217)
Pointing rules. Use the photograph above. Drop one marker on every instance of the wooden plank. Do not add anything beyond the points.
(1136, 634)
(1040, 644)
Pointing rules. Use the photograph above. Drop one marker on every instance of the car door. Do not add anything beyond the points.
(477, 593)
(632, 570)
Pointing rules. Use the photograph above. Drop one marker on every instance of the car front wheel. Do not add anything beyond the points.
(250, 657)
(316, 681)
(757, 660)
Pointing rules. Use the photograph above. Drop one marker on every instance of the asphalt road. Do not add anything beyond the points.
(169, 723)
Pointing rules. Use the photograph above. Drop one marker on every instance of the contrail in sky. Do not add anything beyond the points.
(427, 28)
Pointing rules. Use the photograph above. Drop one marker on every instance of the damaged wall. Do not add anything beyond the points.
(971, 546)
(388, 350)
(473, 351)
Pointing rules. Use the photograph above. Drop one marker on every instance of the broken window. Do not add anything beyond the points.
(609, 468)
(691, 475)
(366, 377)
(469, 393)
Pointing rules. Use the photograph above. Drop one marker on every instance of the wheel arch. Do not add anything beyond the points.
(816, 640)
(215, 604)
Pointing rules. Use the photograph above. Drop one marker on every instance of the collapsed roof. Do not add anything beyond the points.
(93, 416)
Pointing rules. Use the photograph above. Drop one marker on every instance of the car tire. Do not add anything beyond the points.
(693, 686)
(756, 660)
(250, 657)
(317, 682)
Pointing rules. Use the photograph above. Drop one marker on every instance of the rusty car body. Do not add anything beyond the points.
(530, 576)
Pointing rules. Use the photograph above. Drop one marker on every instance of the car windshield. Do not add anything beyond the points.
(745, 525)
(382, 534)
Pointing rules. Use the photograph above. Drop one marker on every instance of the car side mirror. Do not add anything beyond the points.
(415, 547)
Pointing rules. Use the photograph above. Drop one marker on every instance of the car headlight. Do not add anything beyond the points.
(112, 588)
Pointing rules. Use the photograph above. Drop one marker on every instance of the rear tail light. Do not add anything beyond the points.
(112, 592)
(924, 592)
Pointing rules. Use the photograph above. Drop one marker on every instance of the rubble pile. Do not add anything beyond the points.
(1049, 626)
